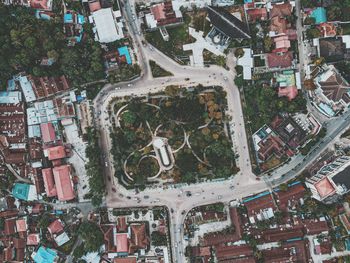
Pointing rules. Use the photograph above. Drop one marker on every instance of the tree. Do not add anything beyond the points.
(312, 33)
(158, 238)
(268, 42)
(92, 236)
(44, 221)
(239, 52)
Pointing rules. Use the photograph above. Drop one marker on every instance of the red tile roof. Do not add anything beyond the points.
(33, 239)
(56, 152)
(63, 183)
(21, 225)
(257, 14)
(290, 197)
(122, 242)
(256, 205)
(47, 132)
(278, 234)
(315, 227)
(55, 227)
(275, 60)
(125, 260)
(139, 238)
(281, 10)
(121, 224)
(231, 252)
(10, 226)
(49, 182)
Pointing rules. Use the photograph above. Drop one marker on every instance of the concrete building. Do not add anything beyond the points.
(331, 181)
(106, 27)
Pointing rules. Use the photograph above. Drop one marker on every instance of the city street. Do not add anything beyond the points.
(242, 184)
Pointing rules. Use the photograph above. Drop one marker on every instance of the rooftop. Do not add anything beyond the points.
(227, 23)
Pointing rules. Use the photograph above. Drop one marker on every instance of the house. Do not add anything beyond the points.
(287, 84)
(332, 49)
(331, 181)
(268, 144)
(281, 10)
(48, 86)
(260, 207)
(139, 238)
(106, 27)
(49, 182)
(48, 133)
(45, 5)
(280, 59)
(247, 62)
(290, 132)
(56, 152)
(63, 182)
(73, 27)
(332, 90)
(256, 14)
(224, 253)
(227, 24)
(163, 14)
(289, 199)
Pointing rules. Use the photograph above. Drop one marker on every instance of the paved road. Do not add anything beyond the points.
(243, 184)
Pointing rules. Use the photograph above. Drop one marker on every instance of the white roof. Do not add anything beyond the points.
(247, 62)
(106, 26)
(151, 22)
(61, 239)
(346, 40)
(27, 89)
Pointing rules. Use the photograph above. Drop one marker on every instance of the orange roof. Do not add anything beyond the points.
(324, 187)
(55, 227)
(21, 225)
(122, 242)
(94, 6)
(63, 183)
(49, 183)
(158, 11)
(57, 152)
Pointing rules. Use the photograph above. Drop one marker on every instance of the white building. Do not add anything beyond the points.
(247, 62)
(190, 3)
(106, 27)
(331, 181)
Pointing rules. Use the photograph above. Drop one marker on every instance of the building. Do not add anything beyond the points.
(331, 181)
(280, 60)
(63, 183)
(48, 86)
(163, 152)
(332, 91)
(42, 112)
(260, 207)
(247, 62)
(73, 27)
(163, 14)
(106, 27)
(226, 24)
(48, 133)
(292, 197)
(49, 182)
(56, 152)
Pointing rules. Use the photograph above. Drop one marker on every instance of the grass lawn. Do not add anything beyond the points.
(210, 58)
(158, 71)
(178, 36)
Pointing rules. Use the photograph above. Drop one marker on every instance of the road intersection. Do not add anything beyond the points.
(244, 183)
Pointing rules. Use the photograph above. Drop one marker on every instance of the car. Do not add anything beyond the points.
(219, 197)
(225, 78)
(128, 197)
(197, 194)
(109, 178)
(188, 193)
(156, 200)
(146, 197)
(129, 85)
(106, 164)
(171, 210)
(114, 190)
